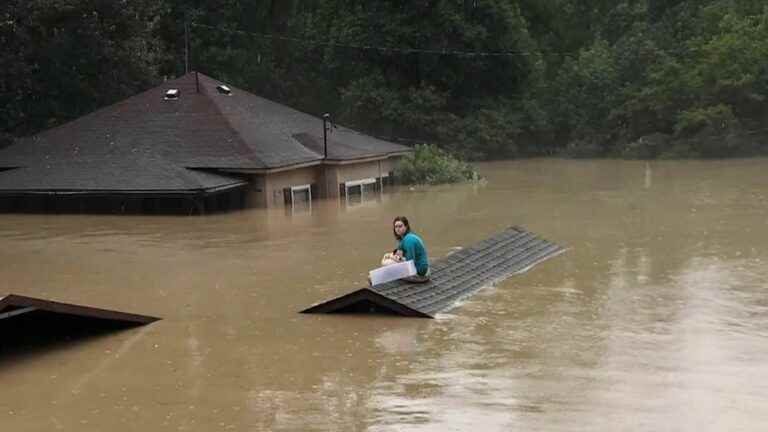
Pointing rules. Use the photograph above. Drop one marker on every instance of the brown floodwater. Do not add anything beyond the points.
(656, 319)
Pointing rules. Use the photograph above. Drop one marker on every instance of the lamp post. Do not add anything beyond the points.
(326, 119)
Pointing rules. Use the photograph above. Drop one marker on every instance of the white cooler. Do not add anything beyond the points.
(392, 272)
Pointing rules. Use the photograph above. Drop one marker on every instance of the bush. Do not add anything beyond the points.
(431, 165)
(717, 117)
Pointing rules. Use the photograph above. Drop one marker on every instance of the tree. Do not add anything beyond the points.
(63, 59)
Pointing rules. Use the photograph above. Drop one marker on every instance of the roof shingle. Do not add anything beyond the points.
(146, 142)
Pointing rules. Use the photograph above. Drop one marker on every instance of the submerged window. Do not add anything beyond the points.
(299, 198)
(359, 191)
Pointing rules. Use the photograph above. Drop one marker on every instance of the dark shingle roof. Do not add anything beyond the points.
(452, 278)
(12, 305)
(147, 142)
(188, 132)
(98, 175)
(346, 144)
(272, 131)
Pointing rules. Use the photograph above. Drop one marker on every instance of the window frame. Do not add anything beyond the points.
(301, 188)
(355, 183)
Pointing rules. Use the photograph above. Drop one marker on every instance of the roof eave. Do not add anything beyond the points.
(276, 169)
(365, 158)
(95, 192)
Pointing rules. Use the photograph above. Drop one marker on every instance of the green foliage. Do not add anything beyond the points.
(397, 93)
(62, 59)
(585, 89)
(369, 103)
(431, 165)
(579, 77)
(731, 54)
(716, 117)
(692, 66)
(493, 130)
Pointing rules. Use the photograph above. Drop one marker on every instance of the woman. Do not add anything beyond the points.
(413, 249)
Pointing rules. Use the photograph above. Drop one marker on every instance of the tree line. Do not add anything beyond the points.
(482, 78)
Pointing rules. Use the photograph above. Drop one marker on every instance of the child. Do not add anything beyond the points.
(393, 257)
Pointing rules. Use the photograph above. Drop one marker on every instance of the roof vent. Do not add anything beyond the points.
(224, 89)
(172, 94)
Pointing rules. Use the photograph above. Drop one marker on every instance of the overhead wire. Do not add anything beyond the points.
(402, 50)
(408, 50)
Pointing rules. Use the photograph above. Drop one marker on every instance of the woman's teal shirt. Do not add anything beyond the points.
(413, 249)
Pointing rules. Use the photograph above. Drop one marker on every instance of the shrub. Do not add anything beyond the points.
(717, 117)
(431, 165)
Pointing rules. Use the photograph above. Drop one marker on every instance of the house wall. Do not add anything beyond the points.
(364, 170)
(344, 173)
(257, 192)
(330, 181)
(276, 182)
(266, 190)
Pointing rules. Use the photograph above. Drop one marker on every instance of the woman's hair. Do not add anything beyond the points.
(404, 220)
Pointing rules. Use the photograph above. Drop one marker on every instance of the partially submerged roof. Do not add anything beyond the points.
(129, 174)
(150, 141)
(188, 132)
(452, 278)
(12, 305)
(345, 144)
(28, 325)
(269, 129)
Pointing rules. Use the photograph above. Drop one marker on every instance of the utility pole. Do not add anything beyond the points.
(326, 119)
(186, 46)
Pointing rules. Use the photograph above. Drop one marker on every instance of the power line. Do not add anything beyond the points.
(401, 50)
(378, 48)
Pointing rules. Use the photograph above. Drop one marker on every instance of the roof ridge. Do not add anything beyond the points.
(236, 131)
(269, 107)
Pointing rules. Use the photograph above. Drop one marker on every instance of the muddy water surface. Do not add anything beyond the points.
(655, 319)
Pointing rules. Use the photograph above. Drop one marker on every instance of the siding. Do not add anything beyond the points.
(266, 190)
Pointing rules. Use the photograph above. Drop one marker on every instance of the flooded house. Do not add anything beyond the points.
(192, 145)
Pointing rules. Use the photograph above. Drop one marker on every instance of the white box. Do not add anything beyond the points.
(392, 272)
